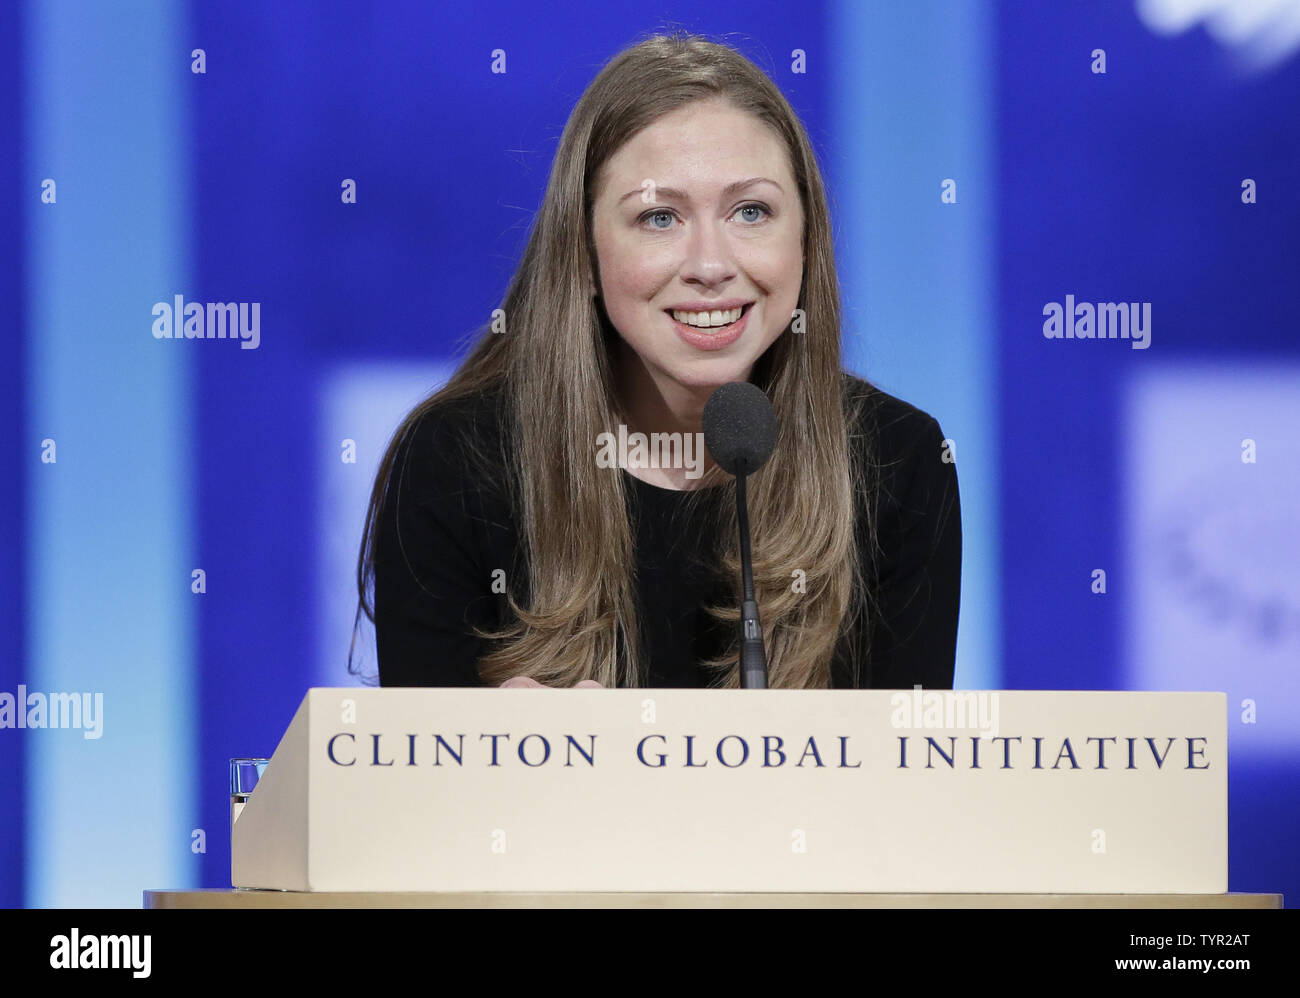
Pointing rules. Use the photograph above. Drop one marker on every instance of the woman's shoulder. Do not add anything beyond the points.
(898, 428)
(462, 416)
(451, 442)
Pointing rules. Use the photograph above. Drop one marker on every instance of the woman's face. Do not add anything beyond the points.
(697, 212)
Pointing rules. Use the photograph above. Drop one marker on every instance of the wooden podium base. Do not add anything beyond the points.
(229, 898)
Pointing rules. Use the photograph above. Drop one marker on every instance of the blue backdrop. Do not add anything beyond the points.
(186, 525)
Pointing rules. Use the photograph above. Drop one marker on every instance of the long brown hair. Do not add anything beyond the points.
(578, 619)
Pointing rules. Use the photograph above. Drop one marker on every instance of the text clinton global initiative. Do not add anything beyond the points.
(657, 751)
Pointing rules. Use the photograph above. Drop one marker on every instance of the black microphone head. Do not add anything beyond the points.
(739, 427)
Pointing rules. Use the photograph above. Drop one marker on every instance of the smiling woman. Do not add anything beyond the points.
(684, 242)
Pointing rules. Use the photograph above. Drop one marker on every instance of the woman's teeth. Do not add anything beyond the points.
(705, 320)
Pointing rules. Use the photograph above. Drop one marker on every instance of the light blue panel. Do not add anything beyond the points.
(364, 404)
(1211, 540)
(912, 97)
(110, 609)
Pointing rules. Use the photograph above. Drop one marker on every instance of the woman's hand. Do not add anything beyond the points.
(524, 682)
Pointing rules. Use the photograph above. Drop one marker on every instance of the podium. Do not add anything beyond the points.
(660, 793)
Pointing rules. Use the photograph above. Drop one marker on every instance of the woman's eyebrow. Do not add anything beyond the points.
(673, 194)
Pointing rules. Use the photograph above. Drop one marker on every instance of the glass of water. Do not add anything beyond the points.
(244, 774)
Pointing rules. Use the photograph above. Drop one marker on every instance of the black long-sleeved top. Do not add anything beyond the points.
(446, 528)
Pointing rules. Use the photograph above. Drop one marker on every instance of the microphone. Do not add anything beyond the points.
(740, 432)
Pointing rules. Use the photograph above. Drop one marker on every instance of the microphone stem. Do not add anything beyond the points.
(742, 514)
(753, 656)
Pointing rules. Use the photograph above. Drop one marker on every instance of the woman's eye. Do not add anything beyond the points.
(659, 214)
(752, 207)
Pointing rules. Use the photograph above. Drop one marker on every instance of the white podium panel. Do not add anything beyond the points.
(739, 791)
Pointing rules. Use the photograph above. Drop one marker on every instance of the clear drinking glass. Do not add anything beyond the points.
(244, 774)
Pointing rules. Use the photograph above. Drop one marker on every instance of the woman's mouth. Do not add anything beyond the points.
(711, 330)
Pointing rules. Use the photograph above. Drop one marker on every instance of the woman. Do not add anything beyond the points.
(684, 242)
